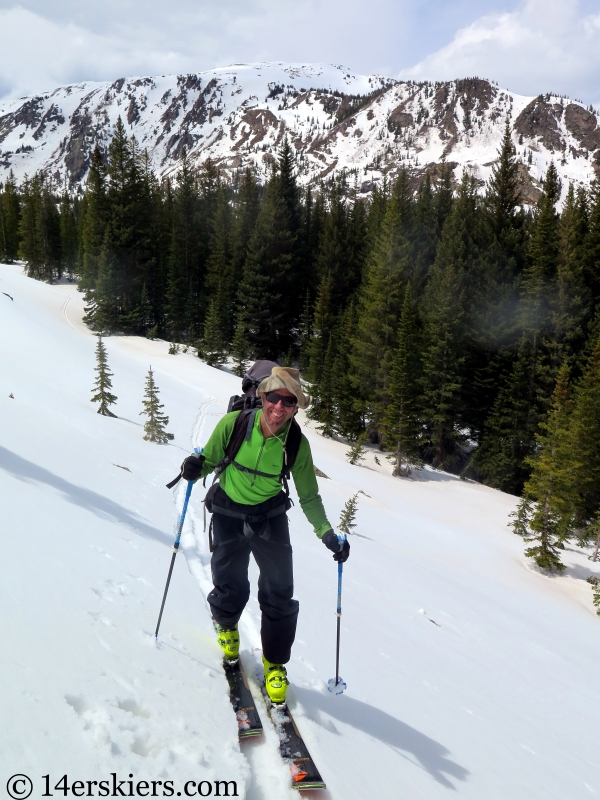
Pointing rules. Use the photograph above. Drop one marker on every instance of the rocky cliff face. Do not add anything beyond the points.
(366, 126)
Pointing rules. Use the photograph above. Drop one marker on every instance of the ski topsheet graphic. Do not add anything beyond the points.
(304, 773)
(249, 723)
(294, 751)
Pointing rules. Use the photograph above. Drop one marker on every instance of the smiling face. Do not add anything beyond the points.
(275, 415)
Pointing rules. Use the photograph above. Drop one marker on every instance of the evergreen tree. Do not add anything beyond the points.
(49, 224)
(104, 311)
(522, 401)
(266, 295)
(313, 222)
(240, 350)
(68, 237)
(509, 431)
(155, 425)
(494, 286)
(334, 257)
(246, 212)
(539, 277)
(571, 308)
(379, 305)
(94, 221)
(592, 244)
(30, 246)
(213, 342)
(357, 451)
(443, 197)
(401, 428)
(423, 235)
(503, 218)
(323, 407)
(305, 333)
(348, 515)
(585, 442)
(321, 330)
(10, 211)
(443, 329)
(185, 257)
(376, 215)
(349, 420)
(551, 516)
(219, 283)
(103, 383)
(39, 230)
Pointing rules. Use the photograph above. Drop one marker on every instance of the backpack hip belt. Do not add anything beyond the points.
(251, 521)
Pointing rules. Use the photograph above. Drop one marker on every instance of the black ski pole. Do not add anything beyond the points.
(175, 547)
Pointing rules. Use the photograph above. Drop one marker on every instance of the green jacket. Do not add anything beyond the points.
(265, 455)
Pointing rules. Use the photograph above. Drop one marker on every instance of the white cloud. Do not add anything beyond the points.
(545, 45)
(37, 54)
(46, 44)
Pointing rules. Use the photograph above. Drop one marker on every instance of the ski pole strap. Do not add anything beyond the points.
(174, 482)
(197, 452)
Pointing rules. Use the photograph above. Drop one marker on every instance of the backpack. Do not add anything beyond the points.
(250, 382)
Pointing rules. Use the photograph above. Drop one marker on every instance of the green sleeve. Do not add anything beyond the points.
(214, 449)
(308, 489)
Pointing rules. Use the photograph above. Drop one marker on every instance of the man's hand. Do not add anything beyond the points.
(192, 467)
(340, 552)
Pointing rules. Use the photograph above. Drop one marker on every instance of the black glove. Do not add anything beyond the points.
(192, 467)
(340, 552)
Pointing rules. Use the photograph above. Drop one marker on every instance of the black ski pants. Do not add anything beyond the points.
(269, 543)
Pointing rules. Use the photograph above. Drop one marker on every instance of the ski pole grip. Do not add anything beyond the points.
(197, 452)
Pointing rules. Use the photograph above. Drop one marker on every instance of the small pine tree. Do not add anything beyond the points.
(550, 518)
(357, 451)
(103, 383)
(154, 427)
(348, 515)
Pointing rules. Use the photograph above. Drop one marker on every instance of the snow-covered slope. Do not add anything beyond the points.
(468, 673)
(368, 126)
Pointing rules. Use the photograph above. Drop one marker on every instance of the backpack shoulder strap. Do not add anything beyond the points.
(292, 446)
(242, 431)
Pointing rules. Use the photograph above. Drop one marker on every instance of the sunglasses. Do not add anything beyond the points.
(274, 398)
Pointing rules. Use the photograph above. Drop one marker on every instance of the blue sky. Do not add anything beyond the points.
(529, 47)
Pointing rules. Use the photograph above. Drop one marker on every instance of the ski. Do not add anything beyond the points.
(249, 723)
(294, 752)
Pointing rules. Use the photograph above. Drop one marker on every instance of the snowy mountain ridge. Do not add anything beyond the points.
(367, 126)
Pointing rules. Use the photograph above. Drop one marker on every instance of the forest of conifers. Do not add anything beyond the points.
(444, 322)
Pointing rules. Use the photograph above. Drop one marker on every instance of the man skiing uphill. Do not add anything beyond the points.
(249, 516)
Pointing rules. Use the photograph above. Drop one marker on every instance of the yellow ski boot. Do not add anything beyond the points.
(229, 642)
(276, 682)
